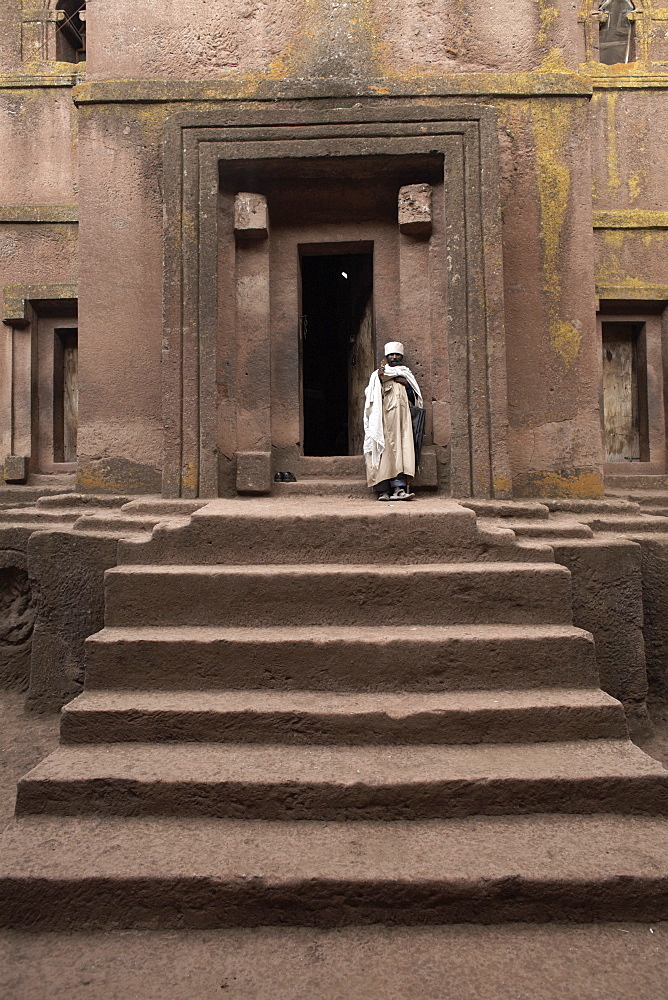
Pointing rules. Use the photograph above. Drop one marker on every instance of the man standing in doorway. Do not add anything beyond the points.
(389, 448)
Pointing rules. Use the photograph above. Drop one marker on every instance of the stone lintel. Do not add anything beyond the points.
(486, 84)
(415, 216)
(15, 300)
(647, 293)
(251, 216)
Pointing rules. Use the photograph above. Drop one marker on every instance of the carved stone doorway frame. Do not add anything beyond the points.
(466, 136)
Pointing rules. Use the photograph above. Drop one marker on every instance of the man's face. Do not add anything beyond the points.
(395, 359)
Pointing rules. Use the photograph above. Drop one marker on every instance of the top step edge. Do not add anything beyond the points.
(184, 699)
(291, 633)
(179, 569)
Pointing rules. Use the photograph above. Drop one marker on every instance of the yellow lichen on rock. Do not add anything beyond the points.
(614, 177)
(636, 184)
(190, 476)
(583, 485)
(552, 125)
(614, 237)
(565, 339)
(548, 14)
(555, 62)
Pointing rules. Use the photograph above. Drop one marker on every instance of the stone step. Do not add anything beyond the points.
(298, 529)
(84, 501)
(87, 873)
(52, 480)
(646, 498)
(40, 516)
(623, 524)
(329, 466)
(571, 505)
(436, 594)
(274, 781)
(309, 487)
(636, 482)
(161, 506)
(554, 528)
(507, 508)
(308, 717)
(26, 494)
(117, 521)
(371, 658)
(16, 535)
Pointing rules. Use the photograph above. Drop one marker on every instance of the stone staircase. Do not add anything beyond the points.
(300, 712)
(339, 475)
(343, 475)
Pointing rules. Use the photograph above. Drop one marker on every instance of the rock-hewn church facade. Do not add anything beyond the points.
(213, 216)
(152, 344)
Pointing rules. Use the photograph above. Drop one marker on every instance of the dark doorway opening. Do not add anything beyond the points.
(337, 349)
(625, 412)
(65, 394)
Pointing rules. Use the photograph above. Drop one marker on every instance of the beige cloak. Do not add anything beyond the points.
(399, 453)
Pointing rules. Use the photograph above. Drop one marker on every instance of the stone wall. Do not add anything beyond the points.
(559, 145)
(120, 298)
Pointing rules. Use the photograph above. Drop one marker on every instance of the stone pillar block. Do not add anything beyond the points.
(607, 588)
(415, 216)
(427, 476)
(254, 472)
(251, 216)
(16, 469)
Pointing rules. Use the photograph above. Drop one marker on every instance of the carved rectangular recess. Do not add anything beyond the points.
(197, 145)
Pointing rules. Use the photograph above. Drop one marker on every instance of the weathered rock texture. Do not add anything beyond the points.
(17, 619)
(337, 742)
(53, 557)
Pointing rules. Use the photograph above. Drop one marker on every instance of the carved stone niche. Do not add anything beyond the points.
(236, 179)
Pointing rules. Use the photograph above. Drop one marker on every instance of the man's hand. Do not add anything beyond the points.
(401, 379)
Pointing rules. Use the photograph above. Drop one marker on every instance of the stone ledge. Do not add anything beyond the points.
(265, 88)
(39, 213)
(647, 293)
(22, 81)
(630, 219)
(629, 76)
(16, 297)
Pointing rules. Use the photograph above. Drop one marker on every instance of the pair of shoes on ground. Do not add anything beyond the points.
(399, 494)
(285, 477)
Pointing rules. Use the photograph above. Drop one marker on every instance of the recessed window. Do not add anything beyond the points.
(615, 33)
(71, 32)
(625, 416)
(65, 394)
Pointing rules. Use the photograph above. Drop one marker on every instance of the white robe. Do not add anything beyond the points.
(388, 429)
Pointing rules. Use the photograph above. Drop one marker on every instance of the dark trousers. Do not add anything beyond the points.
(387, 485)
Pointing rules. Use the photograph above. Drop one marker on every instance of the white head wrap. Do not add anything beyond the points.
(394, 347)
